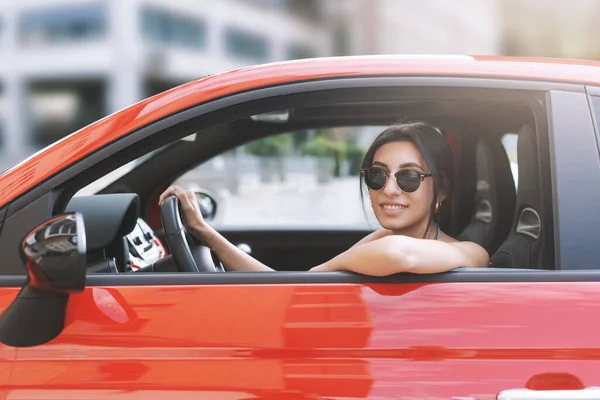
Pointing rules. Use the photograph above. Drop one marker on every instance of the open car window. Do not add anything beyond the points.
(288, 182)
(300, 178)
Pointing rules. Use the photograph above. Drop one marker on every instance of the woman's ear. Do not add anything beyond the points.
(440, 200)
(442, 197)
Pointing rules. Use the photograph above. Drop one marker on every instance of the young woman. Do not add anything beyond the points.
(408, 171)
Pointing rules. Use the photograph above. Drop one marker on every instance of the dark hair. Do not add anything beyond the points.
(434, 148)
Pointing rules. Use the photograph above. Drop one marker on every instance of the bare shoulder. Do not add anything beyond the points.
(475, 255)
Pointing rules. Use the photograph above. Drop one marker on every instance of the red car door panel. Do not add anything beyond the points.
(322, 340)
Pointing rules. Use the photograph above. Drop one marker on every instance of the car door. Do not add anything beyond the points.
(462, 334)
(468, 334)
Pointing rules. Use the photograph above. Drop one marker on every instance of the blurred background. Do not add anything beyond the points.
(67, 63)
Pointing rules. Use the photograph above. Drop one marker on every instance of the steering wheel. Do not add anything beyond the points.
(197, 260)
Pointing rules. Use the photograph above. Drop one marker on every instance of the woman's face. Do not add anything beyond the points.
(403, 213)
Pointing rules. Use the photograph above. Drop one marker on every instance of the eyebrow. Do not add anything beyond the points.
(405, 165)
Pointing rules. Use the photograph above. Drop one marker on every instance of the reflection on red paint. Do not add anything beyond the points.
(554, 381)
(341, 378)
(109, 306)
(313, 310)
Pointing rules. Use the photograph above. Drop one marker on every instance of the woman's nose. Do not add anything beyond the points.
(391, 187)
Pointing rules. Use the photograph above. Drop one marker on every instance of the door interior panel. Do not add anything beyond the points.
(294, 249)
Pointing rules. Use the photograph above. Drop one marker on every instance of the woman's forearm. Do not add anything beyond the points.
(394, 254)
(374, 258)
(230, 255)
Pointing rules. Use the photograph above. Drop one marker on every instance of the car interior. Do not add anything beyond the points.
(128, 232)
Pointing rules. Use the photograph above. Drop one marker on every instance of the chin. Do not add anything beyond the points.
(398, 223)
(392, 223)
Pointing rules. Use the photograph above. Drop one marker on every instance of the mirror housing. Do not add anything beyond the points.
(207, 204)
(54, 254)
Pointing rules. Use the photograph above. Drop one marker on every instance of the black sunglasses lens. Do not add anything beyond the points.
(375, 178)
(408, 181)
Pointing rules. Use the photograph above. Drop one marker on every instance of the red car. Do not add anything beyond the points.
(104, 296)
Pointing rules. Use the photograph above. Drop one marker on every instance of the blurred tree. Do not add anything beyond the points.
(330, 143)
(299, 140)
(354, 155)
(271, 146)
(271, 151)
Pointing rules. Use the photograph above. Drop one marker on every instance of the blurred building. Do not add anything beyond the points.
(66, 63)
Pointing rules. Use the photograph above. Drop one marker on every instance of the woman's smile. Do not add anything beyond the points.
(392, 209)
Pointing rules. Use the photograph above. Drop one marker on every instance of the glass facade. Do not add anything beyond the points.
(58, 25)
(166, 27)
(246, 45)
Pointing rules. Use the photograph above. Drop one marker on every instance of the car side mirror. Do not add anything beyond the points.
(207, 204)
(54, 254)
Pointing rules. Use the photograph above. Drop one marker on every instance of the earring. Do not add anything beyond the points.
(437, 207)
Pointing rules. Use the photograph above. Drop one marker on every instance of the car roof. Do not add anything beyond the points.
(42, 165)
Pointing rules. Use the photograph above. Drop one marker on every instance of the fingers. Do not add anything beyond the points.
(191, 197)
(173, 191)
(187, 203)
(187, 200)
(168, 192)
(164, 194)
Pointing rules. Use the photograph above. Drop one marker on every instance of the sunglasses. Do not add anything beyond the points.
(408, 181)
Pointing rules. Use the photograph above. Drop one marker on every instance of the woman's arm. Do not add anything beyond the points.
(230, 255)
(378, 234)
(235, 259)
(394, 254)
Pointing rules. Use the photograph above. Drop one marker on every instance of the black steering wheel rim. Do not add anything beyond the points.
(175, 234)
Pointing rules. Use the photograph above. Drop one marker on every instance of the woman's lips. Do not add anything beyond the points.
(393, 208)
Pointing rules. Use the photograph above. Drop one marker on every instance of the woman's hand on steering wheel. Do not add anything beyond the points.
(180, 213)
(189, 208)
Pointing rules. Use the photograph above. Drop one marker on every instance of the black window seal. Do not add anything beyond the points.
(460, 275)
